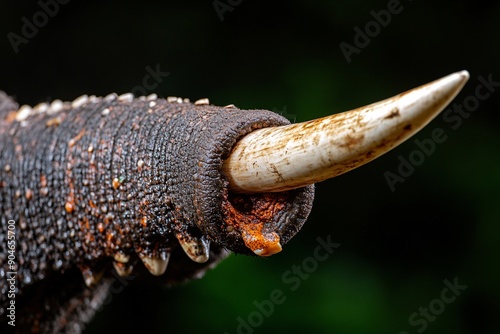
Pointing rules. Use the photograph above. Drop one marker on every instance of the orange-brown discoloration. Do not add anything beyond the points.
(83, 223)
(11, 117)
(69, 206)
(116, 183)
(262, 244)
(394, 113)
(249, 215)
(351, 141)
(73, 140)
(43, 180)
(110, 238)
(54, 122)
(144, 221)
(89, 237)
(100, 227)
(108, 218)
(28, 194)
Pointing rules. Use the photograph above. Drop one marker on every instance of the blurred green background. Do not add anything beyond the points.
(397, 247)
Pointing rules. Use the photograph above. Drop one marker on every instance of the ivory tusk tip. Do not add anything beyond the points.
(296, 155)
(429, 100)
(464, 74)
(452, 83)
(420, 105)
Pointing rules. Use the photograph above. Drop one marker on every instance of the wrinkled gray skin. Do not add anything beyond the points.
(118, 175)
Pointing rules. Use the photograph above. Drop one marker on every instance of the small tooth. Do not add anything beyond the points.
(171, 99)
(179, 100)
(23, 113)
(151, 97)
(196, 249)
(127, 97)
(55, 107)
(122, 269)
(202, 102)
(155, 265)
(110, 97)
(152, 104)
(230, 106)
(79, 101)
(186, 100)
(120, 257)
(93, 99)
(142, 98)
(105, 111)
(90, 277)
(40, 108)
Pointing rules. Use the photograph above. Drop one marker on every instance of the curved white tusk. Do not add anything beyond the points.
(292, 156)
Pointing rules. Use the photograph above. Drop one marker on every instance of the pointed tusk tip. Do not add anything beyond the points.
(448, 87)
(456, 80)
(326, 147)
(464, 74)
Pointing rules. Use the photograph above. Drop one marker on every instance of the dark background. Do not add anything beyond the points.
(397, 247)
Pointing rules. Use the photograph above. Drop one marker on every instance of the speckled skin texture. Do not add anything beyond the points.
(122, 176)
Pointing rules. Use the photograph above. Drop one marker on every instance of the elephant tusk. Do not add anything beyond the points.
(292, 156)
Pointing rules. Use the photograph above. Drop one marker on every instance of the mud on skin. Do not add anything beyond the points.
(127, 183)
